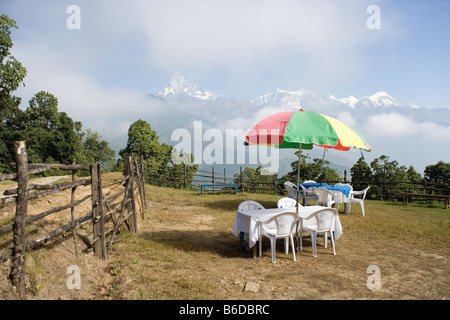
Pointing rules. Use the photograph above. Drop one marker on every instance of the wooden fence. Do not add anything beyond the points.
(185, 177)
(107, 211)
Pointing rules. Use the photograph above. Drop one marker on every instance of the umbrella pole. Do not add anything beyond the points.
(298, 172)
(321, 165)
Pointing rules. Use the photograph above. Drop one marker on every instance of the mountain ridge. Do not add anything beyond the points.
(180, 91)
(231, 113)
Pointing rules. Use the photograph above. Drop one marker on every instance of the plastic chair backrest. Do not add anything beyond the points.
(325, 196)
(365, 192)
(284, 222)
(325, 218)
(292, 189)
(290, 184)
(359, 193)
(250, 205)
(286, 203)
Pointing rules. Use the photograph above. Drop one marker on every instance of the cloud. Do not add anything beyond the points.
(408, 141)
(246, 34)
(397, 125)
(286, 43)
(108, 110)
(347, 118)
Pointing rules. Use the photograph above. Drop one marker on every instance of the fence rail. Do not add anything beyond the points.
(107, 212)
(185, 177)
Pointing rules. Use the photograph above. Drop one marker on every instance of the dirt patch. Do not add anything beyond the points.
(50, 267)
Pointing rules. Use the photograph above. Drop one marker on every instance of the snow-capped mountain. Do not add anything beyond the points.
(350, 101)
(380, 99)
(289, 99)
(300, 98)
(178, 86)
(203, 103)
(185, 103)
(206, 104)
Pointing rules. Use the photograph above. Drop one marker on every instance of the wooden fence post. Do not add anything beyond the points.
(275, 183)
(185, 175)
(139, 183)
(213, 179)
(242, 179)
(143, 185)
(129, 171)
(72, 209)
(97, 214)
(100, 209)
(17, 274)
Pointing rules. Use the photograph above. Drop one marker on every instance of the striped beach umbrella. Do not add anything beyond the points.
(304, 129)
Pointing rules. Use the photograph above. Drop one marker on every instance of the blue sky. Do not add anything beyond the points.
(235, 48)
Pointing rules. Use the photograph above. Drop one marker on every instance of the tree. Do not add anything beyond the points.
(361, 175)
(311, 170)
(388, 175)
(254, 180)
(97, 150)
(439, 173)
(50, 134)
(68, 140)
(142, 140)
(12, 72)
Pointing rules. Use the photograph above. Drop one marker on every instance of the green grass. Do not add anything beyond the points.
(173, 261)
(416, 224)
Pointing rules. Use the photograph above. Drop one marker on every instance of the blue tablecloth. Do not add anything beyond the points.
(314, 185)
(344, 189)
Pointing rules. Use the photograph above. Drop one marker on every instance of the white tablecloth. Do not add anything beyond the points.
(247, 221)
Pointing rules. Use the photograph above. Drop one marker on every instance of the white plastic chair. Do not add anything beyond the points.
(344, 199)
(291, 189)
(250, 205)
(325, 220)
(307, 195)
(244, 206)
(287, 203)
(280, 226)
(325, 197)
(362, 194)
(309, 181)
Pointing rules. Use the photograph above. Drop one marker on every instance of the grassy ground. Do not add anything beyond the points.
(185, 249)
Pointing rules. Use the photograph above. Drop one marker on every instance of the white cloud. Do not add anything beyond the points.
(347, 118)
(316, 37)
(397, 125)
(109, 111)
(407, 141)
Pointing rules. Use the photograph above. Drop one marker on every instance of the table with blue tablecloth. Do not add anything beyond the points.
(341, 192)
